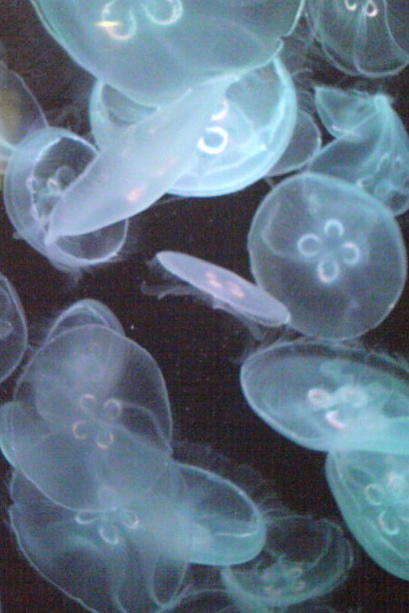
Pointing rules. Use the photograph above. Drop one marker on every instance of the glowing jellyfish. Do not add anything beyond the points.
(13, 329)
(226, 290)
(131, 559)
(302, 559)
(344, 113)
(333, 398)
(330, 252)
(372, 492)
(42, 168)
(247, 135)
(90, 415)
(373, 154)
(155, 50)
(20, 113)
(364, 37)
(138, 167)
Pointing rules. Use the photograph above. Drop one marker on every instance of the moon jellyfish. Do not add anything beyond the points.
(362, 36)
(373, 154)
(20, 113)
(302, 559)
(153, 51)
(90, 423)
(226, 290)
(43, 167)
(343, 113)
(247, 135)
(333, 254)
(13, 329)
(226, 525)
(372, 492)
(138, 168)
(130, 559)
(334, 397)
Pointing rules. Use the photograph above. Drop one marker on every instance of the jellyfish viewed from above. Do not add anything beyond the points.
(154, 50)
(334, 397)
(226, 290)
(330, 252)
(366, 37)
(372, 153)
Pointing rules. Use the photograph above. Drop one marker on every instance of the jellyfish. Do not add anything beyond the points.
(373, 154)
(344, 114)
(366, 37)
(13, 329)
(41, 169)
(154, 51)
(372, 493)
(330, 252)
(302, 559)
(334, 397)
(227, 291)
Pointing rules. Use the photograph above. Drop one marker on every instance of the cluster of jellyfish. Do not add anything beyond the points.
(196, 99)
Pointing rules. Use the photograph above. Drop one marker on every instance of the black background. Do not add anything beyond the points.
(198, 349)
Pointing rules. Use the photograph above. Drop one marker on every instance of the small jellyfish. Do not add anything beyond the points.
(343, 113)
(334, 398)
(372, 492)
(44, 166)
(302, 559)
(13, 329)
(331, 253)
(362, 36)
(227, 291)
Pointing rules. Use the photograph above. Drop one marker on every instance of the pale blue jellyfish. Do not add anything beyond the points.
(372, 492)
(226, 290)
(373, 150)
(329, 397)
(330, 252)
(367, 37)
(13, 329)
(155, 50)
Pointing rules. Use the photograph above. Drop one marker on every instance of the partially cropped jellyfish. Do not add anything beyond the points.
(226, 290)
(333, 397)
(20, 113)
(13, 329)
(366, 37)
(372, 492)
(246, 136)
(41, 169)
(302, 559)
(132, 558)
(138, 167)
(372, 152)
(333, 254)
(90, 424)
(344, 113)
(154, 50)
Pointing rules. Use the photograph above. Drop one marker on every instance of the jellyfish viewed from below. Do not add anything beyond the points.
(362, 36)
(372, 492)
(330, 252)
(154, 51)
(373, 154)
(13, 329)
(226, 290)
(42, 168)
(334, 397)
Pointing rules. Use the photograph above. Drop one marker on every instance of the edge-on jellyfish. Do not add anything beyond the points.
(333, 254)
(302, 559)
(13, 329)
(332, 398)
(41, 169)
(372, 492)
(226, 290)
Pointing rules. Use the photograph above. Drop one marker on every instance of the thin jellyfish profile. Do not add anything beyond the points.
(227, 291)
(366, 37)
(13, 329)
(334, 397)
(153, 50)
(372, 492)
(333, 254)
(302, 559)
(38, 173)
(373, 152)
